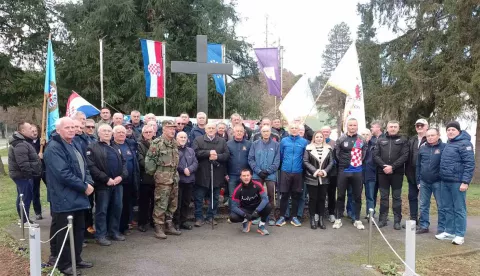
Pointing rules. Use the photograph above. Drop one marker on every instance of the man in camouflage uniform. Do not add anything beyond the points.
(161, 162)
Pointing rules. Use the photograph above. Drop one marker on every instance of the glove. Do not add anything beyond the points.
(255, 215)
(263, 174)
(248, 216)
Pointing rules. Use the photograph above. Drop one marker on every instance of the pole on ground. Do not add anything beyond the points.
(225, 79)
(370, 229)
(35, 251)
(22, 218)
(72, 245)
(164, 72)
(410, 227)
(211, 199)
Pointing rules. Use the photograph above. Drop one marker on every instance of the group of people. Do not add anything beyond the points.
(114, 165)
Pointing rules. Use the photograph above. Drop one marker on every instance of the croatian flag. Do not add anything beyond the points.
(77, 103)
(153, 62)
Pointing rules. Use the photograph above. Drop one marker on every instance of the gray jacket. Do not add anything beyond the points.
(23, 161)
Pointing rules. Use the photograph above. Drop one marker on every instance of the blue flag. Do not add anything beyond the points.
(51, 92)
(215, 55)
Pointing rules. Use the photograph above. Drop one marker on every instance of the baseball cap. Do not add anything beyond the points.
(168, 123)
(421, 121)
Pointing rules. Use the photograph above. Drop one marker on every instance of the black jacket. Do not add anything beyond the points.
(97, 164)
(23, 161)
(413, 148)
(343, 149)
(308, 133)
(202, 147)
(312, 163)
(145, 178)
(393, 151)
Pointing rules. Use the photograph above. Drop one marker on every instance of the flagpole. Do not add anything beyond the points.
(225, 79)
(281, 74)
(315, 103)
(44, 109)
(102, 104)
(164, 71)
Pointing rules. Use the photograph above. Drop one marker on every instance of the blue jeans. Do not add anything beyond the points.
(25, 187)
(301, 203)
(200, 194)
(454, 205)
(370, 196)
(426, 190)
(233, 182)
(350, 203)
(108, 210)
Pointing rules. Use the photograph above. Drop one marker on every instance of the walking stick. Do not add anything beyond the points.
(211, 181)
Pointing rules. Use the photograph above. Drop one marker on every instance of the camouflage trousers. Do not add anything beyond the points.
(166, 198)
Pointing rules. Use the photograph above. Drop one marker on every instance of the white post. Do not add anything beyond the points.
(225, 79)
(410, 228)
(102, 103)
(164, 71)
(35, 251)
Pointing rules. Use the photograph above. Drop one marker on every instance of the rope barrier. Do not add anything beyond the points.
(61, 250)
(25, 213)
(54, 235)
(395, 252)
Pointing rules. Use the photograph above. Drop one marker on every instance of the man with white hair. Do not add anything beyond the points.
(236, 119)
(108, 169)
(117, 119)
(147, 184)
(69, 185)
(308, 130)
(137, 124)
(273, 132)
(80, 116)
(199, 129)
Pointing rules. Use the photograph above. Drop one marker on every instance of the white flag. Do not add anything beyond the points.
(347, 79)
(299, 101)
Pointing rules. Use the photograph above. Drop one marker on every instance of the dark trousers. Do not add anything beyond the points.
(145, 204)
(291, 185)
(53, 242)
(89, 213)
(37, 205)
(108, 210)
(317, 196)
(125, 218)
(385, 182)
(412, 195)
(25, 187)
(201, 193)
(65, 260)
(332, 194)
(346, 179)
(234, 217)
(184, 199)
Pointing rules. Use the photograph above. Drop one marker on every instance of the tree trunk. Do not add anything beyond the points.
(476, 176)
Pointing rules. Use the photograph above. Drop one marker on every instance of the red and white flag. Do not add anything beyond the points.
(154, 66)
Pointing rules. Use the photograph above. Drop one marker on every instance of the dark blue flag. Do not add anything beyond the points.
(215, 55)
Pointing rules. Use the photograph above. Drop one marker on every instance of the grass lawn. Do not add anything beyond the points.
(4, 152)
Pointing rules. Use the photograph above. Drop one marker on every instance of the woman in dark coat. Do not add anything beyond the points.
(318, 162)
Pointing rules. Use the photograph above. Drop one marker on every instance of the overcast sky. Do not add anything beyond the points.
(301, 25)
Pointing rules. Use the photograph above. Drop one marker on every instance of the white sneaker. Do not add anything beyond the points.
(445, 236)
(359, 225)
(317, 218)
(337, 224)
(458, 240)
(331, 218)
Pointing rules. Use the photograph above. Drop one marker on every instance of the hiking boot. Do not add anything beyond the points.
(337, 224)
(142, 228)
(313, 224)
(170, 229)
(331, 218)
(209, 221)
(445, 236)
(397, 226)
(295, 222)
(321, 224)
(159, 234)
(199, 223)
(421, 231)
(359, 225)
(458, 240)
(246, 226)
(104, 242)
(281, 222)
(262, 230)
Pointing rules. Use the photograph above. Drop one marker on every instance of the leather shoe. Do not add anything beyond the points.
(84, 264)
(69, 271)
(421, 231)
(142, 228)
(199, 223)
(186, 226)
(104, 242)
(118, 237)
(397, 226)
(209, 221)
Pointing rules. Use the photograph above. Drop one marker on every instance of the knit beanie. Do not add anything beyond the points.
(454, 124)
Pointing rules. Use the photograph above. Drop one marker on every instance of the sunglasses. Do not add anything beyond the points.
(90, 127)
(129, 128)
(419, 125)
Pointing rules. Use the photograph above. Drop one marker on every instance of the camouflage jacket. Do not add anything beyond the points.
(162, 161)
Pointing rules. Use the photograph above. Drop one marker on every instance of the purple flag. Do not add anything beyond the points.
(269, 65)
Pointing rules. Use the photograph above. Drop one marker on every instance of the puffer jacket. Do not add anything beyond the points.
(428, 162)
(264, 156)
(23, 160)
(458, 160)
(238, 159)
(291, 153)
(313, 162)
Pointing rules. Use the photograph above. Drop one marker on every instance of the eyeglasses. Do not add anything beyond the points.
(148, 132)
(182, 124)
(90, 127)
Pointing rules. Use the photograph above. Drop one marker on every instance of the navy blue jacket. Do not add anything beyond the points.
(370, 167)
(264, 156)
(428, 162)
(81, 142)
(458, 160)
(66, 186)
(196, 132)
(291, 153)
(238, 156)
(188, 160)
(133, 146)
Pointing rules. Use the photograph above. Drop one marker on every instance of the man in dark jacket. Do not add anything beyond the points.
(390, 155)
(369, 173)
(277, 125)
(236, 119)
(188, 124)
(199, 129)
(90, 130)
(257, 135)
(428, 179)
(80, 141)
(89, 134)
(137, 124)
(69, 185)
(23, 165)
(350, 152)
(147, 185)
(238, 159)
(37, 205)
(212, 153)
(308, 130)
(108, 169)
(457, 165)
(414, 143)
(187, 167)
(332, 176)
